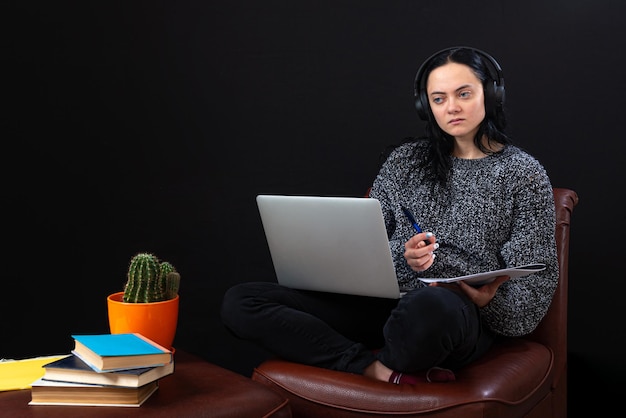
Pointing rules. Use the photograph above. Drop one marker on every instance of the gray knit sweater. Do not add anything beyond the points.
(495, 212)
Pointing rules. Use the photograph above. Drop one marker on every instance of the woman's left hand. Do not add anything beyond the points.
(482, 295)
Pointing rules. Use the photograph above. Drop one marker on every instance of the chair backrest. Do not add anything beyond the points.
(552, 330)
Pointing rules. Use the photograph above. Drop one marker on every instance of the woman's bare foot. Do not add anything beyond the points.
(378, 371)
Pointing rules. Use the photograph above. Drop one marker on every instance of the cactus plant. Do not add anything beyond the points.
(171, 280)
(150, 280)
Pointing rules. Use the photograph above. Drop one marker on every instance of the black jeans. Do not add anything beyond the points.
(429, 326)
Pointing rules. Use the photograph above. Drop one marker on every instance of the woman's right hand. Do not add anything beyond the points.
(419, 251)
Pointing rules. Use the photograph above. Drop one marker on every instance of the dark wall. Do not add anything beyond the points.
(153, 125)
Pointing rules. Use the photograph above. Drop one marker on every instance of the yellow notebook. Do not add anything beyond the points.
(19, 374)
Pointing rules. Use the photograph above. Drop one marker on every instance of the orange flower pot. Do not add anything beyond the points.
(155, 320)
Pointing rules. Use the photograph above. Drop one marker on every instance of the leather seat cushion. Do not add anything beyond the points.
(513, 372)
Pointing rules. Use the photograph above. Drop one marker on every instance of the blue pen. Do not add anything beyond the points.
(411, 219)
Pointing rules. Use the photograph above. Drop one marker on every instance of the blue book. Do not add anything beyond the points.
(108, 352)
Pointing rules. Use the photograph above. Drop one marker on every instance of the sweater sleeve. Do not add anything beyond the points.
(521, 303)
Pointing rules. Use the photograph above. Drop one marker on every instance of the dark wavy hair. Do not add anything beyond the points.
(492, 127)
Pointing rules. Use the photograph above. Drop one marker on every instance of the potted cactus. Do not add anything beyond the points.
(149, 302)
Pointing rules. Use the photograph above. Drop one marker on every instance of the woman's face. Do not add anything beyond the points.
(456, 99)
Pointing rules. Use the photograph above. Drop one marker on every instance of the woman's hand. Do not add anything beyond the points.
(482, 295)
(418, 251)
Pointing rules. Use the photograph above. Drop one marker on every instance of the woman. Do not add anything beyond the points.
(484, 204)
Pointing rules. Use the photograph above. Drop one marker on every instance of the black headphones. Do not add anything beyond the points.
(494, 92)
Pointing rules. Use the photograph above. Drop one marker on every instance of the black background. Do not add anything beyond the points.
(151, 126)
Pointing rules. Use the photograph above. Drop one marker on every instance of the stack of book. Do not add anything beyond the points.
(104, 370)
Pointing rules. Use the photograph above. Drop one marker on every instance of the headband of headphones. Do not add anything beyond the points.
(494, 90)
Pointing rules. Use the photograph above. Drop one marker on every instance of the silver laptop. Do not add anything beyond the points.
(329, 244)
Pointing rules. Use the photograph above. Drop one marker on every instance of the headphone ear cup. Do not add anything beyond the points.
(490, 98)
(421, 105)
(499, 95)
(494, 97)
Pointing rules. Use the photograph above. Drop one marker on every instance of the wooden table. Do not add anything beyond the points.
(197, 388)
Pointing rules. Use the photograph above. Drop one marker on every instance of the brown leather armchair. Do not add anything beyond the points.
(519, 377)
